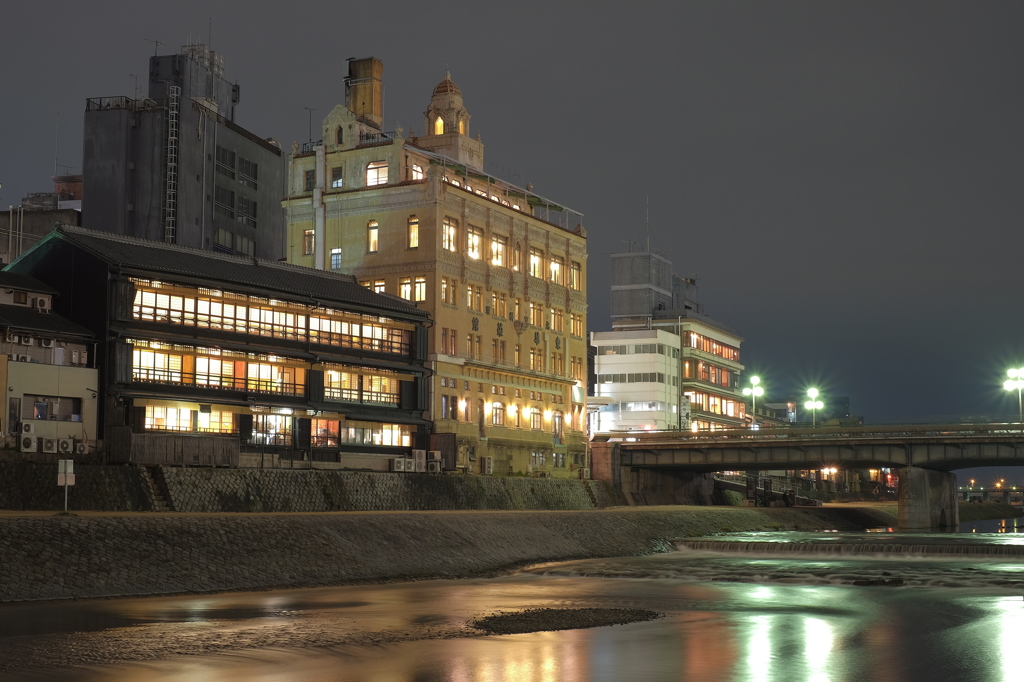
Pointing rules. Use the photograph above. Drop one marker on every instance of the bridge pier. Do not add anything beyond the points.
(927, 500)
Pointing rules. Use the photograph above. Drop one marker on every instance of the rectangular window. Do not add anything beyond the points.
(335, 259)
(473, 238)
(535, 416)
(377, 173)
(497, 414)
(225, 162)
(372, 233)
(576, 324)
(417, 172)
(309, 180)
(405, 288)
(248, 172)
(420, 291)
(378, 286)
(576, 276)
(498, 245)
(556, 270)
(414, 232)
(557, 320)
(308, 242)
(336, 177)
(449, 287)
(536, 314)
(536, 263)
(246, 213)
(449, 235)
(224, 201)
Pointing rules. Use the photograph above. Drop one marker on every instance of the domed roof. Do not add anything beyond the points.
(447, 87)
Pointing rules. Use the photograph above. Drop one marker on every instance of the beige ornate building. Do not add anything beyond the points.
(501, 270)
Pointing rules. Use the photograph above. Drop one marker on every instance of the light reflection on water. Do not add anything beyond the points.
(762, 628)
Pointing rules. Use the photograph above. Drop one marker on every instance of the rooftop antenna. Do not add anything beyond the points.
(310, 110)
(135, 81)
(156, 44)
(56, 138)
(647, 230)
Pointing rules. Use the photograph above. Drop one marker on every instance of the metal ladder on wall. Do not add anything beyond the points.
(171, 169)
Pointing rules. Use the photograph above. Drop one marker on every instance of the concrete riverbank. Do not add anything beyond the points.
(47, 556)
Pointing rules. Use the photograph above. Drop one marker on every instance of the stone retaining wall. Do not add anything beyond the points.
(62, 557)
(33, 486)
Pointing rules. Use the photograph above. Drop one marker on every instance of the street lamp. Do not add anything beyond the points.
(753, 392)
(813, 405)
(1016, 383)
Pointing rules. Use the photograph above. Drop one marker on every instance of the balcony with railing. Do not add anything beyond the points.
(168, 377)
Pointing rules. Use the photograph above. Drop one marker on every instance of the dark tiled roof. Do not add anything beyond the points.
(21, 282)
(23, 318)
(289, 281)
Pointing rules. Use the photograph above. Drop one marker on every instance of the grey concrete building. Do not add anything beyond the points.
(175, 167)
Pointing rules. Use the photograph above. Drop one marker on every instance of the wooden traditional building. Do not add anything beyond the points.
(224, 360)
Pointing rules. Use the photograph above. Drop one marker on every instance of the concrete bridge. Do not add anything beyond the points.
(922, 455)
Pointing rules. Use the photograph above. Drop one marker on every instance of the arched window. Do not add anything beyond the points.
(438, 126)
(462, 127)
(339, 135)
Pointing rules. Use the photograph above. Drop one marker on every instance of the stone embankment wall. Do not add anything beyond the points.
(62, 557)
(33, 486)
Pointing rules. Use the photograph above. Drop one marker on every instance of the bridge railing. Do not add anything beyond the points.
(884, 431)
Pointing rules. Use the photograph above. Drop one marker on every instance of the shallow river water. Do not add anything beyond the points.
(843, 607)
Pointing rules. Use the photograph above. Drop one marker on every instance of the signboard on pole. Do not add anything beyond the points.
(65, 476)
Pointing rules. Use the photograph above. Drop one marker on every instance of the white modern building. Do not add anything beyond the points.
(638, 381)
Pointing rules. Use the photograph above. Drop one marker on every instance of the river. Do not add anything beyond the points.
(819, 607)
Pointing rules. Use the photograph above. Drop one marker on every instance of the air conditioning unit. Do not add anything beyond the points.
(29, 444)
(28, 428)
(81, 448)
(46, 343)
(11, 337)
(419, 461)
(43, 305)
(585, 473)
(65, 446)
(49, 445)
(433, 466)
(487, 465)
(22, 358)
(434, 455)
(25, 340)
(398, 464)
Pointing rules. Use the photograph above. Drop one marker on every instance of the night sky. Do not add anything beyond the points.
(843, 179)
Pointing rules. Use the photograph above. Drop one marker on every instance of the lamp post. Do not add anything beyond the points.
(813, 405)
(753, 392)
(1016, 383)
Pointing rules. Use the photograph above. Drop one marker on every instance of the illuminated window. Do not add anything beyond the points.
(449, 235)
(420, 293)
(335, 259)
(414, 232)
(535, 425)
(405, 288)
(372, 234)
(417, 172)
(462, 127)
(438, 126)
(576, 276)
(336, 179)
(498, 414)
(536, 262)
(555, 270)
(377, 173)
(473, 238)
(536, 314)
(308, 242)
(557, 320)
(448, 290)
(378, 286)
(576, 324)
(498, 245)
